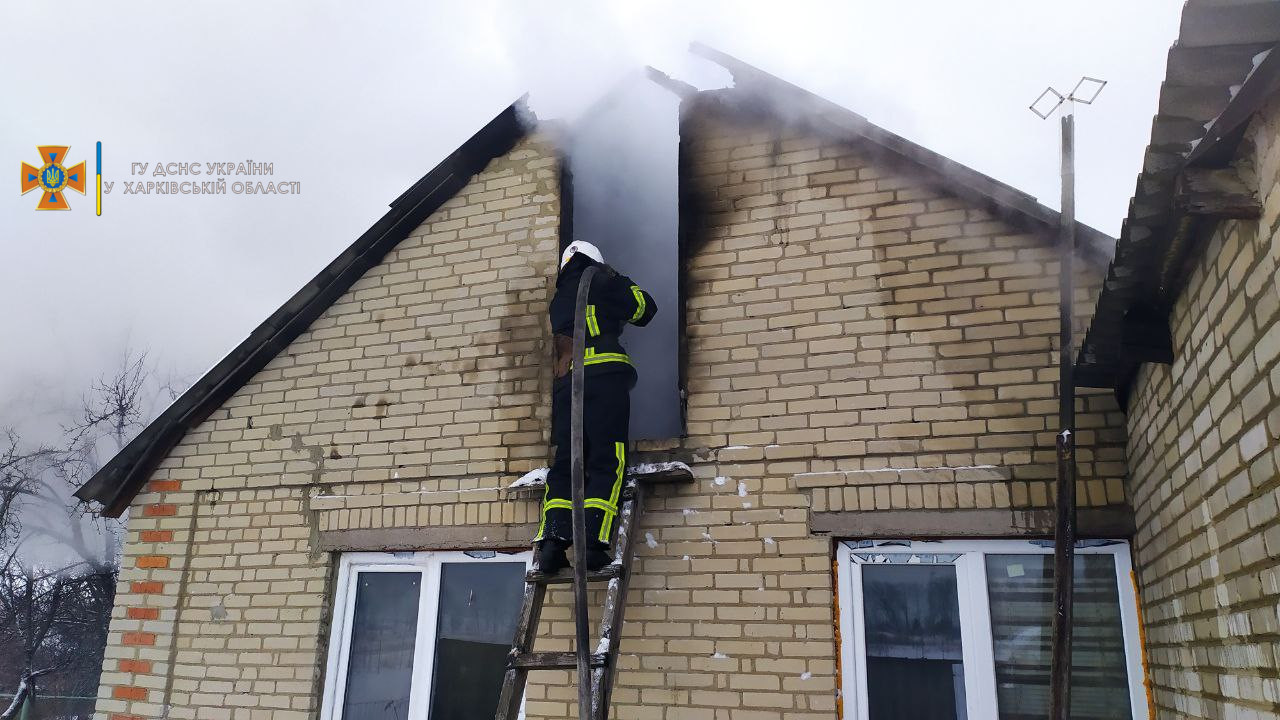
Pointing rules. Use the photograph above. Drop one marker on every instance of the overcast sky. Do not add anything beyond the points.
(357, 100)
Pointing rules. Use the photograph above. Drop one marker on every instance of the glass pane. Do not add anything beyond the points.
(479, 607)
(914, 663)
(380, 662)
(1020, 589)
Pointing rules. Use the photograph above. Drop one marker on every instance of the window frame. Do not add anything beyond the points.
(428, 564)
(976, 639)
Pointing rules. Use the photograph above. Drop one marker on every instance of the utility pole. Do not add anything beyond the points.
(1064, 538)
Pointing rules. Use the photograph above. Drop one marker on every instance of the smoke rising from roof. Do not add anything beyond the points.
(623, 157)
(357, 101)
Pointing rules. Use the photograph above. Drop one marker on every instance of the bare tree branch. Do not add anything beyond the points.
(24, 689)
(114, 402)
(54, 612)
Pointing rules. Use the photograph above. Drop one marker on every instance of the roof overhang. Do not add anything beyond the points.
(1220, 72)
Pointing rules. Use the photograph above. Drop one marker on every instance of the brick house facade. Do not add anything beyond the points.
(869, 362)
(1187, 332)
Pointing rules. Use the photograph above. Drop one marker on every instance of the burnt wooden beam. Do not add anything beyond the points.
(1219, 193)
(681, 89)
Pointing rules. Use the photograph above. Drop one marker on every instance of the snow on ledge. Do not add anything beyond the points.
(532, 479)
(650, 468)
(538, 477)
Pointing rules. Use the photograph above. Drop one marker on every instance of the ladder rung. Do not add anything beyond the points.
(554, 660)
(565, 577)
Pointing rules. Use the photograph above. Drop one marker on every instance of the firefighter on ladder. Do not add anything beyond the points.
(614, 300)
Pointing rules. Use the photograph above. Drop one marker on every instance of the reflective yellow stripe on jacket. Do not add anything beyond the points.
(640, 303)
(550, 504)
(611, 507)
(591, 357)
(608, 507)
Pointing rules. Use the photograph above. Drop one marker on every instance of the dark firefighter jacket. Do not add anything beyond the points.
(613, 302)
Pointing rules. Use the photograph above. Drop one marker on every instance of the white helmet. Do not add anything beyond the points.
(581, 246)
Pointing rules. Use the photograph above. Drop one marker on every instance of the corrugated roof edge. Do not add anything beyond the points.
(1004, 200)
(119, 481)
(1217, 74)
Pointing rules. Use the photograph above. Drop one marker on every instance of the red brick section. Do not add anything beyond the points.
(138, 638)
(137, 607)
(135, 666)
(143, 613)
(128, 692)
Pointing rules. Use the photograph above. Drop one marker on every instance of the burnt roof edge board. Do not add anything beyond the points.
(120, 479)
(681, 89)
(1007, 201)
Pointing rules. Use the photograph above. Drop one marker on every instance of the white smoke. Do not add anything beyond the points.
(48, 527)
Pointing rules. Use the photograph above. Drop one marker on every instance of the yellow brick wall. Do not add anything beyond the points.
(426, 378)
(857, 340)
(1203, 453)
(889, 346)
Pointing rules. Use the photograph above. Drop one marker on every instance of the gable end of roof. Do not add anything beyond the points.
(122, 478)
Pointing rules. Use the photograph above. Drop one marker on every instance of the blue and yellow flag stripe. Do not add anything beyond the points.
(99, 177)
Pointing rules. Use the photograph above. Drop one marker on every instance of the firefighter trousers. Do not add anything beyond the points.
(606, 410)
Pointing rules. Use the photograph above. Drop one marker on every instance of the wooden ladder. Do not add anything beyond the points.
(604, 660)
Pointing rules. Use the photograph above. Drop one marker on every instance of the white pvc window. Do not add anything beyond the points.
(960, 630)
(407, 624)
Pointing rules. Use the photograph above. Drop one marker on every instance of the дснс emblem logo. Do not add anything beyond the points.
(53, 178)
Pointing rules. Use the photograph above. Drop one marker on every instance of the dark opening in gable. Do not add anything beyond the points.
(623, 160)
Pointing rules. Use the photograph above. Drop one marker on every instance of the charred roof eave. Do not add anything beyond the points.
(755, 89)
(1215, 80)
(119, 481)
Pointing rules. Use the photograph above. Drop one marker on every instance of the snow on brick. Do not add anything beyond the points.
(533, 478)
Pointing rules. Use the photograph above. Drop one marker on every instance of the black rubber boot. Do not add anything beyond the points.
(597, 558)
(551, 555)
